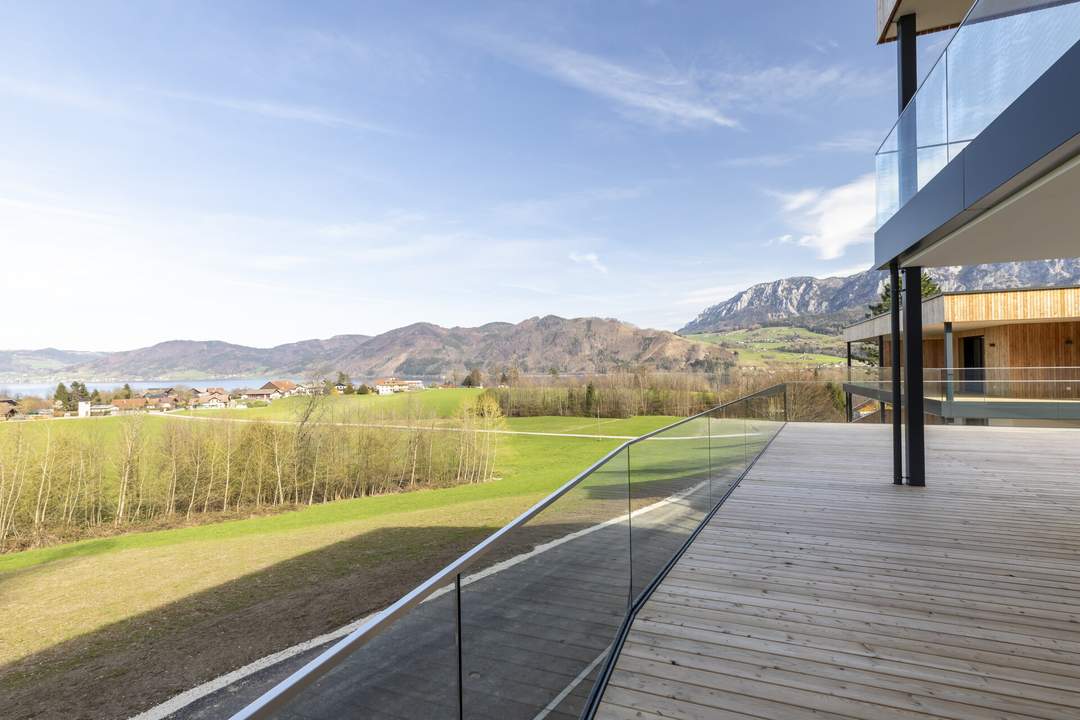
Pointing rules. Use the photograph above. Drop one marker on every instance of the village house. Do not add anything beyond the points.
(129, 405)
(265, 394)
(391, 385)
(287, 388)
(8, 408)
(88, 409)
(212, 399)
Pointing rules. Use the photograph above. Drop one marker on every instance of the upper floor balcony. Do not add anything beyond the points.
(994, 65)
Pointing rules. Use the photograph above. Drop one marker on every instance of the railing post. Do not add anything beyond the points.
(708, 429)
(849, 409)
(460, 669)
(949, 363)
(894, 361)
(629, 533)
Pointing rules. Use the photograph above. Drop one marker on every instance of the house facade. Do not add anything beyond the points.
(996, 356)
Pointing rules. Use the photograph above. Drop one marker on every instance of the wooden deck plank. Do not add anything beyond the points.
(822, 590)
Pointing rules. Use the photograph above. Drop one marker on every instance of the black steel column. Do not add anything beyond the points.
(907, 171)
(913, 385)
(906, 85)
(894, 353)
(847, 395)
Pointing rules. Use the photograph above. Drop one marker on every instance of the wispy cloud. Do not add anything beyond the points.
(833, 219)
(590, 259)
(704, 297)
(844, 271)
(557, 209)
(771, 160)
(864, 141)
(58, 94)
(282, 111)
(697, 96)
(664, 98)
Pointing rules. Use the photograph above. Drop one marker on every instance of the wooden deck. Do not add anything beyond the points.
(821, 590)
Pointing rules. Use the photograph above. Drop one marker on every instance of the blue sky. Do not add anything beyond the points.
(266, 172)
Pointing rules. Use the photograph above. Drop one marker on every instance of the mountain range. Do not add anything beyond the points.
(826, 304)
(536, 345)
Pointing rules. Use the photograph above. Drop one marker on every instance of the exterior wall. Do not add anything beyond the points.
(1004, 306)
(1043, 344)
(1020, 345)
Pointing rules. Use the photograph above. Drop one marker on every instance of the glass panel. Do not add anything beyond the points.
(669, 494)
(887, 168)
(931, 160)
(408, 671)
(765, 418)
(727, 449)
(998, 53)
(535, 633)
(930, 105)
(956, 148)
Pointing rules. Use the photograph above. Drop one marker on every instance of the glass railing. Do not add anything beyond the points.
(1048, 393)
(1044, 393)
(524, 625)
(1001, 48)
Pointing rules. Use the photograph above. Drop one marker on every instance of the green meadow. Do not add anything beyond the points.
(779, 346)
(84, 597)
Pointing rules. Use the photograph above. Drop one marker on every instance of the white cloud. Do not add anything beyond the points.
(589, 259)
(844, 271)
(699, 95)
(667, 99)
(832, 220)
(774, 89)
(72, 96)
(865, 141)
(763, 161)
(706, 297)
(553, 211)
(282, 111)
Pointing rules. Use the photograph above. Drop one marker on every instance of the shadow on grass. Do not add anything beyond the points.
(133, 664)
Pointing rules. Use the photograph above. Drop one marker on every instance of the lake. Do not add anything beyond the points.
(41, 390)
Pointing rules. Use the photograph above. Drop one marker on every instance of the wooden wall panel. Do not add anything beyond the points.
(1044, 344)
(1013, 305)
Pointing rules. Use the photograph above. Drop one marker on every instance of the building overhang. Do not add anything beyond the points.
(981, 309)
(930, 15)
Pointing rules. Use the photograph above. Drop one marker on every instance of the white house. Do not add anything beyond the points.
(87, 409)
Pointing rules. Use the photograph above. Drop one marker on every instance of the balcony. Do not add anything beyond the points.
(735, 565)
(996, 57)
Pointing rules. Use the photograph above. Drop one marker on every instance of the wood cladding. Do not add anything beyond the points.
(1011, 305)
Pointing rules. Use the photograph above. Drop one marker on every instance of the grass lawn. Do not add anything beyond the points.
(137, 618)
(772, 346)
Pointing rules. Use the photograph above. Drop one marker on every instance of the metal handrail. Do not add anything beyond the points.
(288, 688)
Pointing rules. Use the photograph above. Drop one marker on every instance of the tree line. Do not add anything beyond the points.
(815, 395)
(66, 481)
